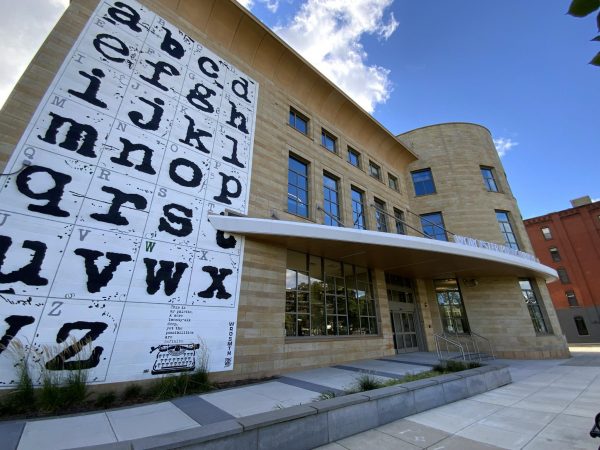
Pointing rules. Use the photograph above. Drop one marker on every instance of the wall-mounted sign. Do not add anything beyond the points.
(104, 236)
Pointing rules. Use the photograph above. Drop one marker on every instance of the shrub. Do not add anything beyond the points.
(105, 400)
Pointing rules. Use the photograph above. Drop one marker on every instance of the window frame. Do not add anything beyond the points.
(381, 224)
(374, 165)
(352, 151)
(572, 298)
(506, 233)
(306, 164)
(435, 226)
(355, 214)
(535, 307)
(580, 325)
(493, 187)
(399, 221)
(427, 191)
(298, 115)
(393, 179)
(547, 236)
(450, 310)
(563, 276)
(326, 135)
(328, 216)
(554, 255)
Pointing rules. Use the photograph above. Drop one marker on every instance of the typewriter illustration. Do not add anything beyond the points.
(174, 358)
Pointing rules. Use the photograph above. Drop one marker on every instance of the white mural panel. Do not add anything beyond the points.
(108, 262)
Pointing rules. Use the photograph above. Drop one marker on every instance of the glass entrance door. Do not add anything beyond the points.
(405, 332)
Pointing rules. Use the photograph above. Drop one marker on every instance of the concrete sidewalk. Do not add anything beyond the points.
(183, 413)
(550, 405)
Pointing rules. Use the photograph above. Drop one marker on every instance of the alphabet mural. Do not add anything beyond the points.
(106, 252)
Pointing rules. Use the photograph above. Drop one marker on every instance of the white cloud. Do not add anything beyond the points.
(23, 27)
(272, 5)
(503, 145)
(327, 33)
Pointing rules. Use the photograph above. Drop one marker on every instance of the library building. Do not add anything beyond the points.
(179, 185)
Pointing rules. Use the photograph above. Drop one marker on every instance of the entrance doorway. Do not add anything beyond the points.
(404, 314)
(405, 332)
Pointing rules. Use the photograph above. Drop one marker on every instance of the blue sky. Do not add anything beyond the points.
(520, 68)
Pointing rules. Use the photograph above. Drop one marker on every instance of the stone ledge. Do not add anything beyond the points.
(319, 423)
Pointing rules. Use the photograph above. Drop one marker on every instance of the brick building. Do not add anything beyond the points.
(177, 178)
(569, 241)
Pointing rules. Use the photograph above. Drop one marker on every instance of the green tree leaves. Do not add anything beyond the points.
(582, 8)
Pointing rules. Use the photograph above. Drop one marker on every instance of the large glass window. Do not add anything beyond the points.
(297, 187)
(510, 239)
(488, 179)
(328, 141)
(358, 209)
(535, 311)
(423, 182)
(298, 121)
(325, 297)
(433, 226)
(452, 309)
(331, 205)
(380, 216)
(399, 219)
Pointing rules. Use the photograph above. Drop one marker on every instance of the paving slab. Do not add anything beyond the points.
(455, 416)
(393, 368)
(460, 443)
(149, 420)
(67, 432)
(259, 398)
(572, 429)
(330, 377)
(374, 439)
(495, 436)
(414, 433)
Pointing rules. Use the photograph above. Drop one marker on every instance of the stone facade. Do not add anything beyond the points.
(454, 152)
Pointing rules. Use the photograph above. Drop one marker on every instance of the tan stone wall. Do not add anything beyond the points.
(495, 307)
(261, 347)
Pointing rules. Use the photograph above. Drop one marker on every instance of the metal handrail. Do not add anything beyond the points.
(489, 343)
(439, 337)
(332, 217)
(403, 222)
(430, 222)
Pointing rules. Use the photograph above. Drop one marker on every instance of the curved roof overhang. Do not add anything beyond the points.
(407, 256)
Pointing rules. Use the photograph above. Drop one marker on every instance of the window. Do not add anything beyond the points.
(297, 187)
(358, 209)
(571, 298)
(374, 170)
(554, 254)
(581, 326)
(380, 216)
(393, 182)
(546, 233)
(298, 121)
(452, 309)
(331, 205)
(537, 318)
(506, 229)
(399, 219)
(488, 179)
(326, 297)
(328, 141)
(353, 157)
(433, 226)
(423, 182)
(563, 276)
